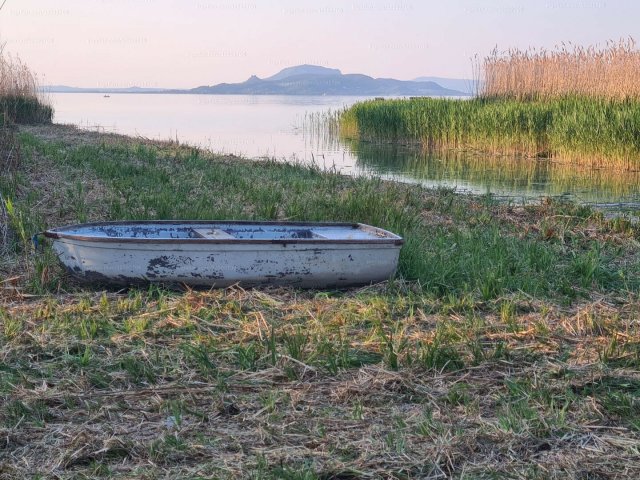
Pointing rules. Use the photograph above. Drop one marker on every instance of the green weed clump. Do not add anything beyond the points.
(25, 109)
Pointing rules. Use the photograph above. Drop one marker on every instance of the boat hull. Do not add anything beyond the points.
(221, 263)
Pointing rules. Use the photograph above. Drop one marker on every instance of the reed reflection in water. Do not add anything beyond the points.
(517, 178)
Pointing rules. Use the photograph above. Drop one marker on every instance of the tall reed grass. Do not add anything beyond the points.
(576, 104)
(20, 99)
(609, 72)
(592, 131)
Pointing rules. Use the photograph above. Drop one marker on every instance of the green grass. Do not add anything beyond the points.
(470, 254)
(508, 346)
(580, 129)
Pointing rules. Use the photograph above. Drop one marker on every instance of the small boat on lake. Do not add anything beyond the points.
(223, 253)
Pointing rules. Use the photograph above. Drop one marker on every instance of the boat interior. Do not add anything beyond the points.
(230, 231)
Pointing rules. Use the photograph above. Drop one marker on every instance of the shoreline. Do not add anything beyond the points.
(509, 336)
(561, 180)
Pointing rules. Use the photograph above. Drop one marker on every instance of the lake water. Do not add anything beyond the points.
(282, 127)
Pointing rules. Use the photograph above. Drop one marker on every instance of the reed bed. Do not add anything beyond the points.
(610, 72)
(574, 104)
(20, 99)
(592, 131)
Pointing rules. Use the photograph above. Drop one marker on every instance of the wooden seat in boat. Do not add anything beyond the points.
(212, 233)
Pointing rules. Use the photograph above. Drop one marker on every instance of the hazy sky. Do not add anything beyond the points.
(172, 43)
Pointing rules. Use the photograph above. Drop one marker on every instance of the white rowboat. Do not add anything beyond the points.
(223, 253)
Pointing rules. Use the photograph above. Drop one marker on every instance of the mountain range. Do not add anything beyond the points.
(304, 80)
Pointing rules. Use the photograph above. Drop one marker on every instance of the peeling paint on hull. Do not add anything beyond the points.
(306, 261)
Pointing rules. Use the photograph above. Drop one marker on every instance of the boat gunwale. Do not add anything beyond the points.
(389, 238)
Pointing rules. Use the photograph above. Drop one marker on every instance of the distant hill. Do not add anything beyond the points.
(305, 80)
(316, 80)
(302, 70)
(465, 85)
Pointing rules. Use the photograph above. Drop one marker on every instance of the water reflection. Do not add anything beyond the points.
(305, 129)
(517, 178)
(513, 178)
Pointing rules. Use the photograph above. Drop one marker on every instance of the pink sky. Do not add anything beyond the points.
(172, 43)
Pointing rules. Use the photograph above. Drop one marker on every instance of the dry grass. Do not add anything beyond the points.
(16, 79)
(20, 98)
(610, 72)
(277, 384)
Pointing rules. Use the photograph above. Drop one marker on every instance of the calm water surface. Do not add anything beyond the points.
(281, 127)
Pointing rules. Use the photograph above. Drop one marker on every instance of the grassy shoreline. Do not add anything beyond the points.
(591, 131)
(509, 344)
